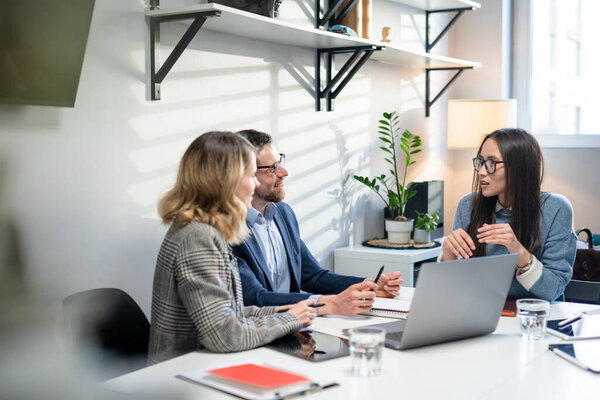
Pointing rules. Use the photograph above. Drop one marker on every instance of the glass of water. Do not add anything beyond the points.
(533, 316)
(366, 344)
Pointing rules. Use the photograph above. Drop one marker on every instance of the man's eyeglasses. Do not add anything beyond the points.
(490, 165)
(272, 169)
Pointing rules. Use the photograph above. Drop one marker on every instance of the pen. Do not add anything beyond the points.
(570, 320)
(313, 306)
(379, 274)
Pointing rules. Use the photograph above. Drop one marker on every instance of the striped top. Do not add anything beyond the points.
(197, 299)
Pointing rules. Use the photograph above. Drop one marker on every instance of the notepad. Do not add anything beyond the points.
(398, 307)
(255, 381)
(258, 375)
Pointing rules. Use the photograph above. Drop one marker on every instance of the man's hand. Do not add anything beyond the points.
(355, 299)
(389, 284)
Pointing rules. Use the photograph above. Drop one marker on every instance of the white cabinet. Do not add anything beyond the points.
(366, 261)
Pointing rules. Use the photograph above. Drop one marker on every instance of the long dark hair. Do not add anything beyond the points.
(524, 169)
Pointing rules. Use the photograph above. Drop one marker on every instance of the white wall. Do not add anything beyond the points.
(484, 35)
(78, 187)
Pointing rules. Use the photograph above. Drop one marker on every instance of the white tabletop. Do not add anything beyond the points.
(501, 365)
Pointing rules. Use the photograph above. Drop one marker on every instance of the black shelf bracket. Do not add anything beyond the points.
(329, 17)
(459, 11)
(156, 77)
(335, 84)
(428, 102)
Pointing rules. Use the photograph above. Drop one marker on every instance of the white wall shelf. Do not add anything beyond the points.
(434, 5)
(219, 18)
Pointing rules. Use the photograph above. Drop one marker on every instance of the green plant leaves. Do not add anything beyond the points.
(427, 221)
(394, 190)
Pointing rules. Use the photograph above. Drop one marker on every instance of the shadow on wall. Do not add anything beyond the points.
(281, 95)
(12, 281)
(291, 59)
(344, 196)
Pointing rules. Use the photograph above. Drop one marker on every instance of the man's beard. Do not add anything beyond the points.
(275, 197)
(272, 196)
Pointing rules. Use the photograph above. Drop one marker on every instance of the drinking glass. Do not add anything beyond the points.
(366, 344)
(533, 316)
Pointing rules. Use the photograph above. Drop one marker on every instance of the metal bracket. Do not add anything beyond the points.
(459, 11)
(329, 17)
(360, 55)
(156, 77)
(429, 103)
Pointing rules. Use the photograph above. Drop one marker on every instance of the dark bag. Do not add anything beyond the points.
(268, 8)
(587, 262)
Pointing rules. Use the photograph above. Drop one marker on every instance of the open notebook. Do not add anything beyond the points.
(397, 307)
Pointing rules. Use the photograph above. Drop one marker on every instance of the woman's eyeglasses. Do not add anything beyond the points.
(490, 165)
(272, 169)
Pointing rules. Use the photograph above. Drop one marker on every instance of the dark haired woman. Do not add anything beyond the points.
(508, 213)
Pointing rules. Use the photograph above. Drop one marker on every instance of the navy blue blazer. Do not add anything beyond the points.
(306, 273)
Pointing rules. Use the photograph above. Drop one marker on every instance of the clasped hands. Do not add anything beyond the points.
(459, 244)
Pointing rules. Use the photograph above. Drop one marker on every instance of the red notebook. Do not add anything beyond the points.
(257, 375)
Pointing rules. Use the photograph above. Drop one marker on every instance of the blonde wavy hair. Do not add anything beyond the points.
(209, 173)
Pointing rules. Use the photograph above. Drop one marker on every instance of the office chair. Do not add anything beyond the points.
(110, 325)
(583, 292)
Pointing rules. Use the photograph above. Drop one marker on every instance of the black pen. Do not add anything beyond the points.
(379, 274)
(313, 306)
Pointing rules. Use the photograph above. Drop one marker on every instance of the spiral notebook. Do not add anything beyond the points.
(398, 307)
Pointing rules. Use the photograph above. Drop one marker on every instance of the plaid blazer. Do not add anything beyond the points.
(197, 299)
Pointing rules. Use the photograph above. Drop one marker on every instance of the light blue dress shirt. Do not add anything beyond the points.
(269, 239)
(271, 244)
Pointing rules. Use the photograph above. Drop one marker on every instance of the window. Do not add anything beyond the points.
(555, 52)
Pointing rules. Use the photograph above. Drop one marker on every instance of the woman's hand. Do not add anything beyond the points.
(389, 284)
(503, 234)
(301, 310)
(457, 244)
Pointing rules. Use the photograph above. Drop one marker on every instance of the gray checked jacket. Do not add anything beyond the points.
(197, 299)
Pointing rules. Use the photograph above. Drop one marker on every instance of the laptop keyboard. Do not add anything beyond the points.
(394, 335)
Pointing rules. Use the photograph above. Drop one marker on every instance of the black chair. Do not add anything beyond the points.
(109, 324)
(583, 292)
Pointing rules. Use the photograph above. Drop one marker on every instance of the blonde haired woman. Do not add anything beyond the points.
(197, 298)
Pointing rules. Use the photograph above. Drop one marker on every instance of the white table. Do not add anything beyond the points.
(366, 261)
(496, 366)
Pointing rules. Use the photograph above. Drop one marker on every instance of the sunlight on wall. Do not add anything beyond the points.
(146, 193)
(156, 158)
(248, 84)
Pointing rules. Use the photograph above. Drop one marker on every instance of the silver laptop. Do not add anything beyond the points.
(454, 300)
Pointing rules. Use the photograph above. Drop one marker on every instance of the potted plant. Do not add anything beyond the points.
(393, 189)
(425, 224)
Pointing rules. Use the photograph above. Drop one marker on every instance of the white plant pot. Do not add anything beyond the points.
(422, 236)
(399, 231)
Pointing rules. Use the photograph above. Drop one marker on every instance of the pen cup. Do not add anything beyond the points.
(532, 315)
(366, 344)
